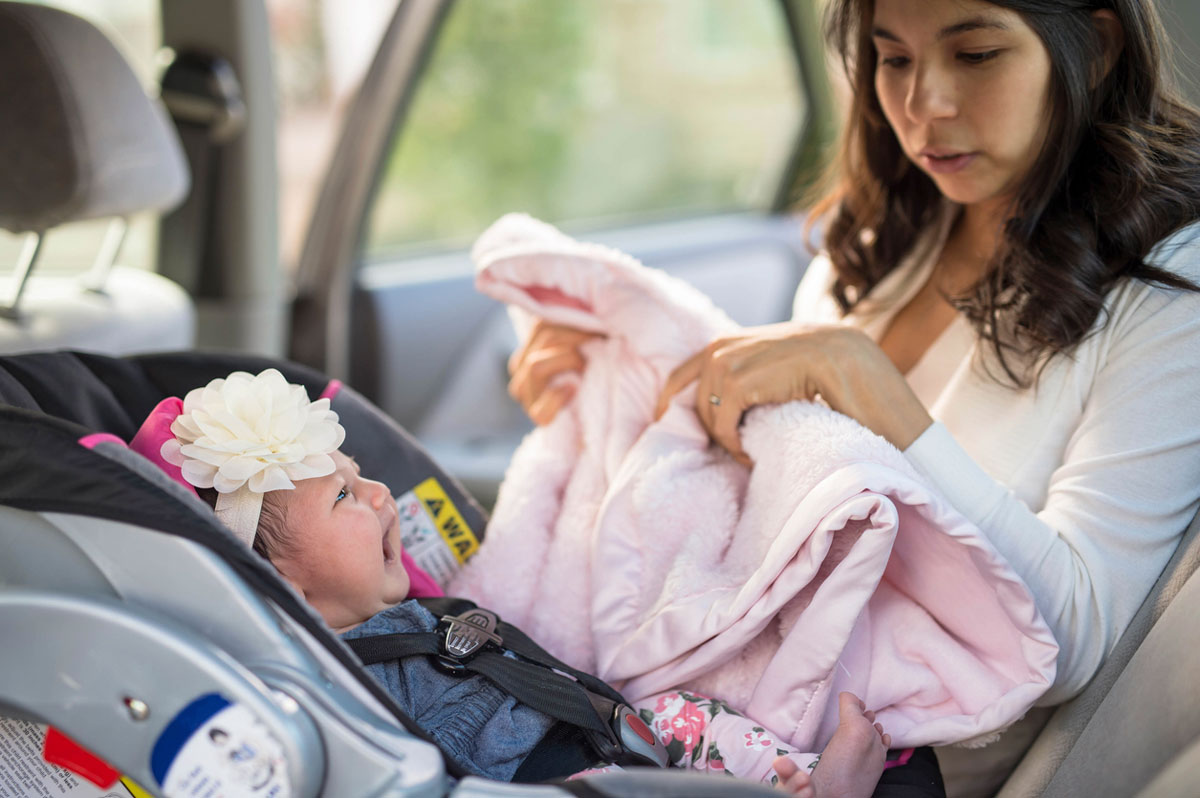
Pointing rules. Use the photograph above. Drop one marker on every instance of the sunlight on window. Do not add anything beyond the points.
(604, 111)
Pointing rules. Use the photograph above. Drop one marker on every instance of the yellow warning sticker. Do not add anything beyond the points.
(449, 522)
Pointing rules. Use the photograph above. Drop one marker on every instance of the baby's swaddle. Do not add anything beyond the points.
(634, 549)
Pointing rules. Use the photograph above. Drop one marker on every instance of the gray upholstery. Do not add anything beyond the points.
(80, 138)
(1178, 778)
(1151, 712)
(1140, 708)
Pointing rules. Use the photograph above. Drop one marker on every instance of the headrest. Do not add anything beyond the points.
(80, 138)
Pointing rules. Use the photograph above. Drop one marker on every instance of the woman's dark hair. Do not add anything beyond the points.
(1120, 171)
(272, 538)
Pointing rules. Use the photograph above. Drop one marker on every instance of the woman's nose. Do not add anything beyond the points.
(931, 95)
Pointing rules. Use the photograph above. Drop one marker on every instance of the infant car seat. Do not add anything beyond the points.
(129, 615)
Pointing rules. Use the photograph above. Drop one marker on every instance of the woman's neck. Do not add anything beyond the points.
(973, 241)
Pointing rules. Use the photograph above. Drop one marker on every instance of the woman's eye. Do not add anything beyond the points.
(894, 61)
(978, 58)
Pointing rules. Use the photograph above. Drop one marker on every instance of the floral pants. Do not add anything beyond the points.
(706, 734)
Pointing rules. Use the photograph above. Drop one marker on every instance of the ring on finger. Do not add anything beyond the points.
(714, 400)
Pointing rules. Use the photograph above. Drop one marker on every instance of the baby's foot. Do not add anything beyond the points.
(792, 778)
(852, 763)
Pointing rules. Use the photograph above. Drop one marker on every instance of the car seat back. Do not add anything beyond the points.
(101, 546)
(81, 141)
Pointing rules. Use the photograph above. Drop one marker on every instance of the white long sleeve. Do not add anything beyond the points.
(1086, 482)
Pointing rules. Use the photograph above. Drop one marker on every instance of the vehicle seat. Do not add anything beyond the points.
(1140, 711)
(1137, 721)
(82, 141)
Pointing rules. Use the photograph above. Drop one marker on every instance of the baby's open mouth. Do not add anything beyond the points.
(389, 555)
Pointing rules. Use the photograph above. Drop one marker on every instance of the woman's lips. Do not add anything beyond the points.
(944, 163)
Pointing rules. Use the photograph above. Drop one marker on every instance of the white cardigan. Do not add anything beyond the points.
(1085, 482)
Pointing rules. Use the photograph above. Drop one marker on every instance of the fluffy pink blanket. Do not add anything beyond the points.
(635, 549)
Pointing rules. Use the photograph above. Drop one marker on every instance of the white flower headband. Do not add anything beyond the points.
(245, 435)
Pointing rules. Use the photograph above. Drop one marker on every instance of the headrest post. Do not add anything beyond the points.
(110, 247)
(25, 263)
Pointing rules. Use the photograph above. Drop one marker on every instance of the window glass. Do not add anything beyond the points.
(591, 111)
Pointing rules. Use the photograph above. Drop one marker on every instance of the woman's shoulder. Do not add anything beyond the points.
(1179, 253)
(1139, 311)
(814, 300)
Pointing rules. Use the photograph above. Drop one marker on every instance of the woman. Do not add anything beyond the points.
(1006, 293)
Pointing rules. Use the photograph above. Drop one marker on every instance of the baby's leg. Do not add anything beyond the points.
(706, 734)
(850, 766)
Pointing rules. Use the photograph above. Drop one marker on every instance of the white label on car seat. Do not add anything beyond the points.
(433, 531)
(217, 749)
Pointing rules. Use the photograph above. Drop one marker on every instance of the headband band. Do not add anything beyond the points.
(245, 435)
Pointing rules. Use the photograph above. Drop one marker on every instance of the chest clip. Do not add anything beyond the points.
(465, 635)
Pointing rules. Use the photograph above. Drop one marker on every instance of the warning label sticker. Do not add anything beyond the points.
(24, 774)
(433, 531)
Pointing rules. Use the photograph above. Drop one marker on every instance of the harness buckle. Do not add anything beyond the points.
(639, 744)
(464, 636)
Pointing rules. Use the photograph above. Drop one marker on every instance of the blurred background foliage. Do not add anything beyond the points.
(591, 111)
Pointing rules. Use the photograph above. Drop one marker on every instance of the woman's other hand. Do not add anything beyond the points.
(550, 351)
(781, 362)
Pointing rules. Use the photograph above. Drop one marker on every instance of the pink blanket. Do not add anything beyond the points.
(635, 549)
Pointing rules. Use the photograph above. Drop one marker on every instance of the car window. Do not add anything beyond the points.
(134, 27)
(601, 113)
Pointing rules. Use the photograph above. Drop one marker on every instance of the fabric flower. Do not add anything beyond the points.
(687, 726)
(260, 432)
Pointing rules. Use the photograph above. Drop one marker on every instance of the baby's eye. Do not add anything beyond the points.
(341, 495)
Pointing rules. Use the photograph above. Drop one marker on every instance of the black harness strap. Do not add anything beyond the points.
(558, 696)
(520, 644)
(533, 677)
(398, 645)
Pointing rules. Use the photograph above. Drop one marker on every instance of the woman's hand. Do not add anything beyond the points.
(550, 351)
(781, 362)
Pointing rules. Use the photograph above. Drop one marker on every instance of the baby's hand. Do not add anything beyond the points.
(850, 765)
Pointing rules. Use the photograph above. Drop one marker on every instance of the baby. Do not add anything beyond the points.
(284, 487)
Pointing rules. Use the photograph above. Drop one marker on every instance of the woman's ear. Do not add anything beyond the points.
(1112, 41)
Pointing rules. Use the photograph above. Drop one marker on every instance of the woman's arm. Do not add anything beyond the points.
(1126, 483)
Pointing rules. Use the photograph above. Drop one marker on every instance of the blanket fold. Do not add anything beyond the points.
(633, 548)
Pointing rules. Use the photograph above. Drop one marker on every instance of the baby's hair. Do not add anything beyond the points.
(273, 537)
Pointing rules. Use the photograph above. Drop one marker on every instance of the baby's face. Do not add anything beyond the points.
(345, 552)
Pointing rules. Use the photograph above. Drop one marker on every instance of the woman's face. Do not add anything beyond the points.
(345, 553)
(964, 85)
